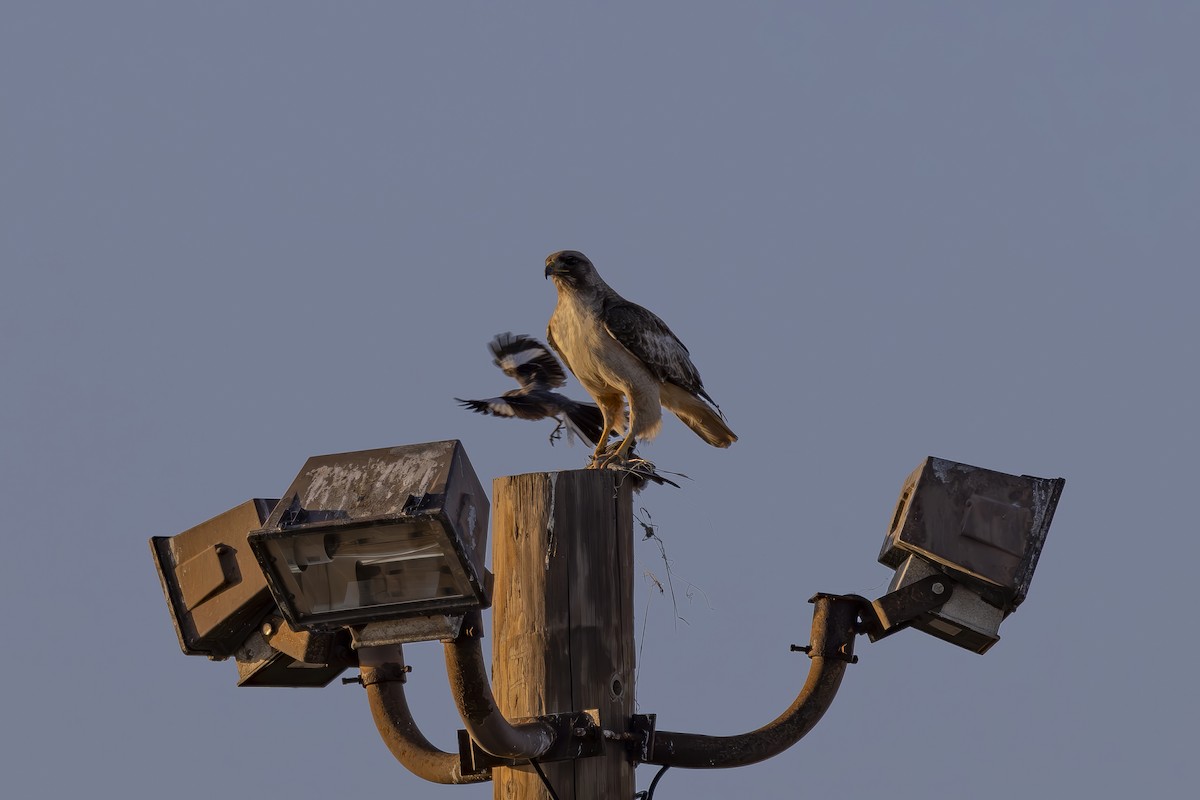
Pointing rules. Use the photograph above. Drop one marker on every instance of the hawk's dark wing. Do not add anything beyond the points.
(527, 361)
(646, 336)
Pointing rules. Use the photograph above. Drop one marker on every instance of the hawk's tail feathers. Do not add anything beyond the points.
(707, 422)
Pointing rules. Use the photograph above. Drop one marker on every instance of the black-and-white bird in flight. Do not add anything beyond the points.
(538, 373)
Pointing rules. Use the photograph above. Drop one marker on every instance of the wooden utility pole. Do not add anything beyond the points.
(563, 619)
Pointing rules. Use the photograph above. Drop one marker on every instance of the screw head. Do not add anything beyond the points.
(267, 628)
(938, 588)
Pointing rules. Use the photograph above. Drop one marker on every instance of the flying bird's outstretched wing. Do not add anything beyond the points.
(527, 361)
(580, 419)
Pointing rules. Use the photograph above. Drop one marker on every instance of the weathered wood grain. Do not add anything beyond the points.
(563, 619)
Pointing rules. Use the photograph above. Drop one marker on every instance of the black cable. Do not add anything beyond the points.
(649, 793)
(538, 769)
(646, 795)
(654, 783)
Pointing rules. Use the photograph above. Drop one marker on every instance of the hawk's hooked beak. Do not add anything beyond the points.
(552, 269)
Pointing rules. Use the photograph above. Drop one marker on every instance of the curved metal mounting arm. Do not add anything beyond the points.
(472, 692)
(832, 648)
(384, 683)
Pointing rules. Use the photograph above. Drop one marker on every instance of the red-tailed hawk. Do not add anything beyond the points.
(622, 353)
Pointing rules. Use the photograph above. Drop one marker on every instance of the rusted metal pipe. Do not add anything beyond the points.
(831, 649)
(472, 692)
(384, 682)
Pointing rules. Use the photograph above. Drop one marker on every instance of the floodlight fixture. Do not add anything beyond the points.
(390, 542)
(214, 588)
(221, 606)
(969, 539)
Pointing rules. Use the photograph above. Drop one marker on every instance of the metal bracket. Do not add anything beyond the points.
(842, 653)
(576, 735)
(384, 673)
(897, 610)
(639, 741)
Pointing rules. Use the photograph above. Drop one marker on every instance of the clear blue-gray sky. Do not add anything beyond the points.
(235, 235)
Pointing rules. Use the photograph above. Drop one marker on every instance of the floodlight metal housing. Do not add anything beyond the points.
(377, 535)
(984, 529)
(214, 588)
(276, 654)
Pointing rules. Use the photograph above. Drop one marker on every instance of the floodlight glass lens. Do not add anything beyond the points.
(381, 565)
